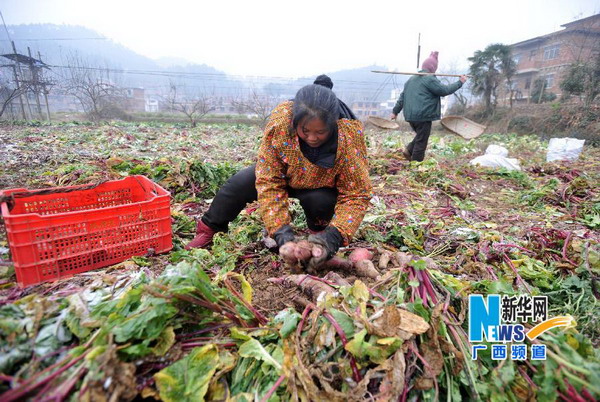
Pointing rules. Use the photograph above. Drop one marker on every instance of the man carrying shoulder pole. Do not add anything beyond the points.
(420, 101)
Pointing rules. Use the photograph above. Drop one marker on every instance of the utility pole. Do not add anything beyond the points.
(35, 83)
(14, 67)
(418, 50)
(45, 91)
(18, 69)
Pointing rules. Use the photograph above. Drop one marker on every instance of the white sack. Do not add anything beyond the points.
(564, 149)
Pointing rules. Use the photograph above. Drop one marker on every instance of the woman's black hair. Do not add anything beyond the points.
(316, 101)
(324, 80)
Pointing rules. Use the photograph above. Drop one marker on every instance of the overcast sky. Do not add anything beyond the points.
(306, 37)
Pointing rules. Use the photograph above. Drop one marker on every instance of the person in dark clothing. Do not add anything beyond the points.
(345, 111)
(420, 101)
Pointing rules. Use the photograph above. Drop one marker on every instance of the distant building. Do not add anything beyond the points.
(549, 56)
(130, 99)
(62, 101)
(224, 105)
(387, 106)
(364, 109)
(152, 105)
(134, 99)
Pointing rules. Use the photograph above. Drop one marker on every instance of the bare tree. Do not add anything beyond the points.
(193, 106)
(259, 104)
(238, 105)
(9, 94)
(94, 87)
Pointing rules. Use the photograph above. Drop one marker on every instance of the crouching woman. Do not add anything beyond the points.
(307, 152)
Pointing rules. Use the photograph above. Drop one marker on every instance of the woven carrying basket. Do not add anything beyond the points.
(383, 123)
(462, 126)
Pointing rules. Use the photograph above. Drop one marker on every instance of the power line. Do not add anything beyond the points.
(208, 76)
(379, 89)
(39, 39)
(183, 74)
(396, 85)
(235, 86)
(220, 88)
(221, 81)
(5, 28)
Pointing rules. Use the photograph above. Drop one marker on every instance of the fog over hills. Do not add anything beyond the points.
(66, 45)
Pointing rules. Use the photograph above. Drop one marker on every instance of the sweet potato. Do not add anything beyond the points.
(269, 242)
(366, 268)
(400, 259)
(340, 264)
(308, 285)
(360, 254)
(336, 278)
(303, 250)
(288, 251)
(384, 259)
(318, 252)
(292, 252)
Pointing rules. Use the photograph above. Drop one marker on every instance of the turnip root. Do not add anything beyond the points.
(308, 285)
(360, 254)
(366, 268)
(384, 259)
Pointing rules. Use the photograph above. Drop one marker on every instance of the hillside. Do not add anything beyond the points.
(59, 44)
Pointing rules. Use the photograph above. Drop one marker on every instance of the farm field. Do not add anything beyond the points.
(230, 323)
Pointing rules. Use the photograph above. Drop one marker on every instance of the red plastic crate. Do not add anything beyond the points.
(56, 233)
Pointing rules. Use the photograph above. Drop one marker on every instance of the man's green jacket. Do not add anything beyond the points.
(421, 97)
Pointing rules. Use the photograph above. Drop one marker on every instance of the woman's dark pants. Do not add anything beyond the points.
(240, 189)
